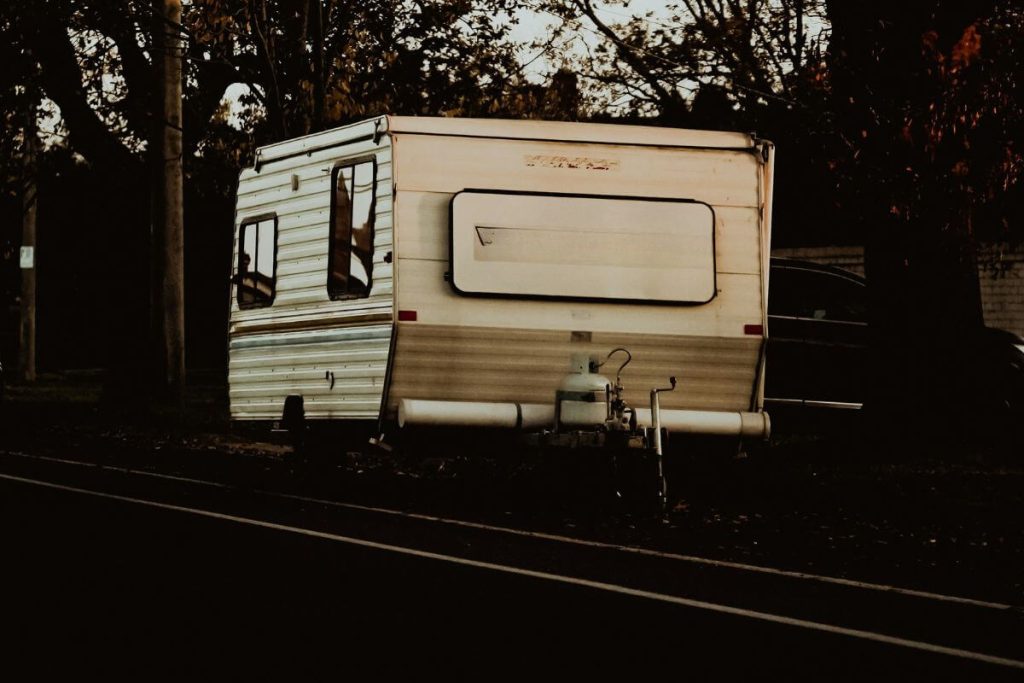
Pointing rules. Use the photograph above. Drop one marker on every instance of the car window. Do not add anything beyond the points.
(805, 293)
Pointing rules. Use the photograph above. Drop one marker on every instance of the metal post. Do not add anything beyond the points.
(168, 230)
(27, 341)
(656, 426)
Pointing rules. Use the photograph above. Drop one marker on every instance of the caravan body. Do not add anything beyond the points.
(463, 262)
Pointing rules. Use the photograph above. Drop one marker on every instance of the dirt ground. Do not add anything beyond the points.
(944, 517)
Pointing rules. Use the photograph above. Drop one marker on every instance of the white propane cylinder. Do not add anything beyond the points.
(582, 394)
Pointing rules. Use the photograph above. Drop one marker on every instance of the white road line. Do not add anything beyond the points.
(547, 576)
(122, 470)
(647, 552)
(171, 477)
(569, 540)
(47, 458)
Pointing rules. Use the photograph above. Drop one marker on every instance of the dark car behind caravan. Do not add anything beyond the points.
(817, 349)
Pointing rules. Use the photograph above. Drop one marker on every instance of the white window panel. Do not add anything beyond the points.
(583, 247)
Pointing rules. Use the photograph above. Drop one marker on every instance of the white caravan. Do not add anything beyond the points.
(449, 271)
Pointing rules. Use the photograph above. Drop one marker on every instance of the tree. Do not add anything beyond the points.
(746, 54)
(755, 66)
(927, 106)
(304, 66)
(318, 63)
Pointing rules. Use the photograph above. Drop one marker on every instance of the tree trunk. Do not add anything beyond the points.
(27, 345)
(920, 259)
(167, 203)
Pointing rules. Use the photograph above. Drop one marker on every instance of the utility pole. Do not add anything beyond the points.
(316, 16)
(168, 221)
(27, 336)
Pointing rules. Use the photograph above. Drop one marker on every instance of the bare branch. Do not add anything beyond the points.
(671, 102)
(61, 79)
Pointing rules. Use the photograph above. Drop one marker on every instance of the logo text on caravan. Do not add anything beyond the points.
(585, 163)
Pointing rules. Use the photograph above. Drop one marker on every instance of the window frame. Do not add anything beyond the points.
(335, 171)
(243, 224)
(451, 274)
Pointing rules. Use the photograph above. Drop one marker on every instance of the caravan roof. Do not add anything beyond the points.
(566, 131)
(509, 129)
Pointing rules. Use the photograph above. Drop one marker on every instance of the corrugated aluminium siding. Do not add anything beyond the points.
(304, 339)
(448, 362)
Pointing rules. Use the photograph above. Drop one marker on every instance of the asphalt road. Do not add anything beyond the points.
(102, 585)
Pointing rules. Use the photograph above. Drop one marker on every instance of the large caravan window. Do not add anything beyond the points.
(350, 261)
(257, 246)
(562, 246)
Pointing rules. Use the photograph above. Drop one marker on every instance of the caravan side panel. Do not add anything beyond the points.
(333, 353)
(517, 349)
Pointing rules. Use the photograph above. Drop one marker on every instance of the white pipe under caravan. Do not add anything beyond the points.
(425, 413)
(746, 424)
(412, 412)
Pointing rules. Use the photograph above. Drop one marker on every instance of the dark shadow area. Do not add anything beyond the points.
(944, 516)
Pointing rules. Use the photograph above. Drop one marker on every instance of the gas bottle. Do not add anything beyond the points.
(581, 398)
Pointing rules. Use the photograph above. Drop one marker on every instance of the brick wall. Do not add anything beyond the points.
(1000, 270)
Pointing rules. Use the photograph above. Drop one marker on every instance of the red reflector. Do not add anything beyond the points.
(409, 316)
(753, 329)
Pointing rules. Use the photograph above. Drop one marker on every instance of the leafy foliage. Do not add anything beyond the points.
(315, 64)
(933, 111)
(742, 55)
(300, 66)
(897, 123)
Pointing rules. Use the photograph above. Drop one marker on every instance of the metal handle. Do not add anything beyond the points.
(656, 414)
(656, 426)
